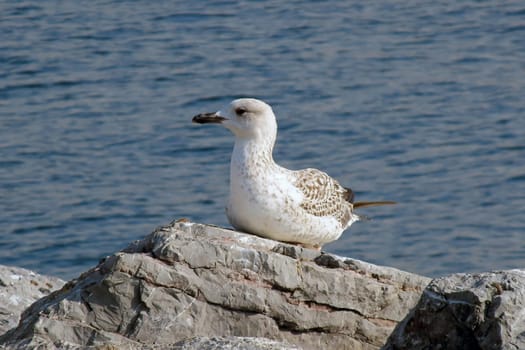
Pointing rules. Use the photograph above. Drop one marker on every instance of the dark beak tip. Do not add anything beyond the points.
(206, 118)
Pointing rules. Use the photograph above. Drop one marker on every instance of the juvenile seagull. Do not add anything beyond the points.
(306, 206)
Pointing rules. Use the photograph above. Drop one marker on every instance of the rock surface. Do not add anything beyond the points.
(231, 343)
(466, 311)
(189, 280)
(19, 288)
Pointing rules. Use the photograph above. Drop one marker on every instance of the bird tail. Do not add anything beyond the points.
(372, 204)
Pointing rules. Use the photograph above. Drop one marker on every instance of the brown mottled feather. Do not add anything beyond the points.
(323, 196)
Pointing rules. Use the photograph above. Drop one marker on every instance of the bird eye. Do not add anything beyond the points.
(240, 110)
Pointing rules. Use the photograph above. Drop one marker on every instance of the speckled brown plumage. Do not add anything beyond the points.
(324, 196)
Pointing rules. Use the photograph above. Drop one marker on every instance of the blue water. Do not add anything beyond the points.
(421, 102)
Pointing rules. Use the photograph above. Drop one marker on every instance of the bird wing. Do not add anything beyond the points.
(323, 195)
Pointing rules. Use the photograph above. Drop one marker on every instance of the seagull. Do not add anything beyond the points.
(305, 207)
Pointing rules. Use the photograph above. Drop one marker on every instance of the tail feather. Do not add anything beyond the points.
(372, 204)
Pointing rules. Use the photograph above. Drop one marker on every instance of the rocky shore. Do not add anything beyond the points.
(194, 286)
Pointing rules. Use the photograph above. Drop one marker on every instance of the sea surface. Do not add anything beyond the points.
(421, 102)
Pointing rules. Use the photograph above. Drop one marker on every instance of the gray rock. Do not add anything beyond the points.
(189, 280)
(19, 288)
(232, 343)
(466, 311)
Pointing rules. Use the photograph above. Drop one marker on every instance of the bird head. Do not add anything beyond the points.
(246, 118)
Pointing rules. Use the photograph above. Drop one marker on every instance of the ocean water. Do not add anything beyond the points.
(421, 102)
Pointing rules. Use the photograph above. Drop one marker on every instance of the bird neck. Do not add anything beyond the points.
(252, 154)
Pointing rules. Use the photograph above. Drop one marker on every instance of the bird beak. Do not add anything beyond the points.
(205, 118)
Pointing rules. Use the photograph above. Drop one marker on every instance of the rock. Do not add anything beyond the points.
(19, 288)
(466, 311)
(190, 280)
(232, 343)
